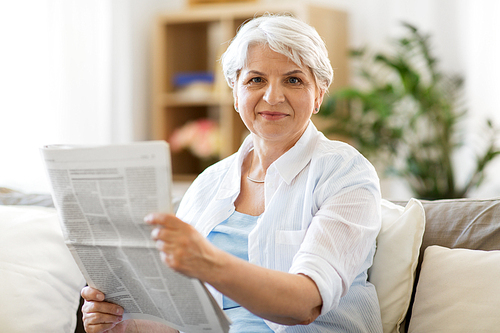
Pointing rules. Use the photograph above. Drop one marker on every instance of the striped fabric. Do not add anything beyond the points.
(321, 218)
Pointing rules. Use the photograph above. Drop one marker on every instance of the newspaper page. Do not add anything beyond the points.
(102, 194)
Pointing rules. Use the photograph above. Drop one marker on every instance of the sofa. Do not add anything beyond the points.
(452, 266)
(435, 270)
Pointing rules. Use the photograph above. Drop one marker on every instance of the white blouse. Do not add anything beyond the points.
(321, 219)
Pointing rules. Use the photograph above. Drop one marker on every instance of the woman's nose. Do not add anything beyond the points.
(274, 94)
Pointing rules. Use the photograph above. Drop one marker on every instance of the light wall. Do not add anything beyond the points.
(73, 72)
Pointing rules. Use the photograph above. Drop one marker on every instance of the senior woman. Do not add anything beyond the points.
(284, 230)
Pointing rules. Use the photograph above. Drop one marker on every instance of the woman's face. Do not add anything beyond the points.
(275, 97)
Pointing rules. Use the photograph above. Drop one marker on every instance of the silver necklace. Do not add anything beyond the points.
(248, 174)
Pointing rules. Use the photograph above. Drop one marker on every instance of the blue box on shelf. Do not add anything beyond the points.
(183, 79)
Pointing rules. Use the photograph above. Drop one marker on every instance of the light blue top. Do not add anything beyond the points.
(232, 236)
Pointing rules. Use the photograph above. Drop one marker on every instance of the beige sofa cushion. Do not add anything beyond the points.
(39, 281)
(460, 223)
(394, 264)
(457, 292)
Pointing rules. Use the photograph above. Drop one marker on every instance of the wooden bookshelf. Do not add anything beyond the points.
(192, 40)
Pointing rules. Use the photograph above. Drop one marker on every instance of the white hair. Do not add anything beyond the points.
(283, 34)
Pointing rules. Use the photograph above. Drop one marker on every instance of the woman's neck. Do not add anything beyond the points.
(265, 153)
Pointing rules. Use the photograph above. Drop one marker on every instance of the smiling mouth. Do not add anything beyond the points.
(273, 115)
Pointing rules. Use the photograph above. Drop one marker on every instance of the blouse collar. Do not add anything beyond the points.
(287, 165)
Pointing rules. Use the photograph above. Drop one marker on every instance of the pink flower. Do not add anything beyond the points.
(201, 137)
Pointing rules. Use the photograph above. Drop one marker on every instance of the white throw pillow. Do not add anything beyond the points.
(39, 281)
(458, 291)
(396, 259)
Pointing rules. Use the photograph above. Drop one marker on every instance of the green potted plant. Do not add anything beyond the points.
(408, 114)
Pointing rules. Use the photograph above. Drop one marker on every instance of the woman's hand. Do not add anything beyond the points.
(281, 297)
(100, 316)
(183, 248)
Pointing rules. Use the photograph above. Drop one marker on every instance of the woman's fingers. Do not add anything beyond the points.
(94, 303)
(102, 308)
(101, 319)
(181, 246)
(91, 294)
(171, 232)
(165, 220)
(176, 241)
(99, 316)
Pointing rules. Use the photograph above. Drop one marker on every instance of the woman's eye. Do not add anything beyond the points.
(293, 80)
(256, 80)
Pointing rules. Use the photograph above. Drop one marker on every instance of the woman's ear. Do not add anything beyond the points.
(319, 98)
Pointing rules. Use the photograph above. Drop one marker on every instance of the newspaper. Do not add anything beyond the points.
(102, 194)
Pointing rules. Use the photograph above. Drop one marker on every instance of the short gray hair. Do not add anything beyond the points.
(283, 34)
